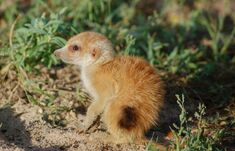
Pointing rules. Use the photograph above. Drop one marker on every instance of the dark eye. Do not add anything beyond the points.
(75, 47)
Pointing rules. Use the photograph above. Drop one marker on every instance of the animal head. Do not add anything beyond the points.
(85, 49)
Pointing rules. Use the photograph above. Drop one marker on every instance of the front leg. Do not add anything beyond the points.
(93, 111)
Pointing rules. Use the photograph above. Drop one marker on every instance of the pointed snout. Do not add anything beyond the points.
(57, 53)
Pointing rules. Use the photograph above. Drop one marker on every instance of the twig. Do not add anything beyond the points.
(12, 29)
(14, 89)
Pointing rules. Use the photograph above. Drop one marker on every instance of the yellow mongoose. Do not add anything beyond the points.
(127, 90)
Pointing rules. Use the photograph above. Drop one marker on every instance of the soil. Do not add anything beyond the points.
(39, 125)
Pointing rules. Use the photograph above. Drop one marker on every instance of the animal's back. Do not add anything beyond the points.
(134, 76)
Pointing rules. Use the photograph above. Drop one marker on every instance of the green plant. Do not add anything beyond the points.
(188, 138)
(184, 62)
(220, 41)
(34, 43)
(130, 42)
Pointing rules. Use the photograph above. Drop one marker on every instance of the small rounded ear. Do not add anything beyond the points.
(95, 52)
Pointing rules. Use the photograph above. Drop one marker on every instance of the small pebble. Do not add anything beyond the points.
(40, 110)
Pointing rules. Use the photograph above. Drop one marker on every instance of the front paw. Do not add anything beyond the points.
(85, 126)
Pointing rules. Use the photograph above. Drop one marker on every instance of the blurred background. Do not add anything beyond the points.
(190, 42)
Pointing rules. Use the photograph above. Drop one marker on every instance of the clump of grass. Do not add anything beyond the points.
(181, 62)
(191, 134)
(219, 40)
(34, 43)
(188, 138)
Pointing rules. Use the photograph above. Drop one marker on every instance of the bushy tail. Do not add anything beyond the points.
(123, 121)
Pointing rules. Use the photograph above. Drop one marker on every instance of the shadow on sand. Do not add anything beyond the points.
(13, 132)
